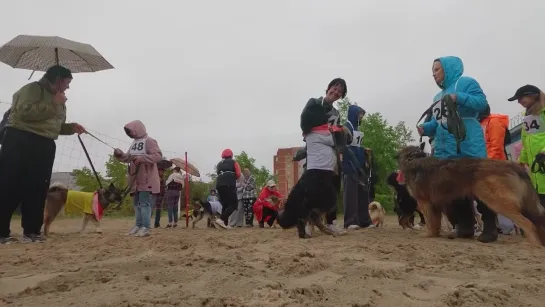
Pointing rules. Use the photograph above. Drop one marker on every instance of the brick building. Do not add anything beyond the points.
(286, 170)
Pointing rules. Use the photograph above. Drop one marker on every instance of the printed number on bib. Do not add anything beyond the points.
(138, 147)
(357, 139)
(533, 124)
(440, 112)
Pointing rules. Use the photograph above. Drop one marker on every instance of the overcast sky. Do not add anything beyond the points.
(207, 75)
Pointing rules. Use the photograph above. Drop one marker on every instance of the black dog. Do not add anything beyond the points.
(405, 204)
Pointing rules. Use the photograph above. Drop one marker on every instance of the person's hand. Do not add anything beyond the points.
(453, 97)
(138, 159)
(118, 152)
(420, 130)
(79, 129)
(59, 98)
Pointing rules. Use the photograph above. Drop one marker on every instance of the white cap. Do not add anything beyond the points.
(271, 183)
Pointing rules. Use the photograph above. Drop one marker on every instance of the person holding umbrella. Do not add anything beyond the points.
(37, 118)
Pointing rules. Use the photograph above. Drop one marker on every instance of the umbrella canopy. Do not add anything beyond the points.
(164, 164)
(191, 169)
(41, 52)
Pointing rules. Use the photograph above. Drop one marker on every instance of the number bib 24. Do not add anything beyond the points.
(138, 147)
(440, 112)
(533, 124)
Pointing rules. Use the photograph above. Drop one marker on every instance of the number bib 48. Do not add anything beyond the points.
(138, 147)
(533, 124)
(357, 138)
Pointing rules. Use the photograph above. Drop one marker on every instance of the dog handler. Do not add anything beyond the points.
(228, 171)
(336, 89)
(37, 118)
(470, 100)
(533, 135)
(356, 196)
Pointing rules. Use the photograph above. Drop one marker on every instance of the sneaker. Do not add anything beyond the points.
(354, 227)
(143, 232)
(33, 238)
(157, 226)
(168, 226)
(175, 225)
(8, 240)
(133, 231)
(333, 228)
(220, 223)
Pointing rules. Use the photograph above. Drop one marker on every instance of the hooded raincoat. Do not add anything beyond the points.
(147, 177)
(351, 163)
(470, 100)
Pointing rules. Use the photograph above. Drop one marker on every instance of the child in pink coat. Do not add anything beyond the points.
(143, 177)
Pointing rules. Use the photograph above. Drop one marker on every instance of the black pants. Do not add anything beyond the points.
(229, 201)
(268, 212)
(26, 162)
(332, 215)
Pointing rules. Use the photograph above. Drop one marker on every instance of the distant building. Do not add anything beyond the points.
(286, 170)
(67, 178)
(515, 128)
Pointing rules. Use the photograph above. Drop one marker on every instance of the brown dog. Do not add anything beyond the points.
(503, 185)
(59, 197)
(377, 213)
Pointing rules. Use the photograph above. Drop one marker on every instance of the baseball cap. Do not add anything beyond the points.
(271, 183)
(525, 91)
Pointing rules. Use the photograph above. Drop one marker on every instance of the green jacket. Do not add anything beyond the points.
(533, 142)
(33, 110)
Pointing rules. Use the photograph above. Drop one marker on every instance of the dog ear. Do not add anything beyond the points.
(111, 186)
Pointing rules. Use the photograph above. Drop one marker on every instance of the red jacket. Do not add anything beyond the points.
(262, 202)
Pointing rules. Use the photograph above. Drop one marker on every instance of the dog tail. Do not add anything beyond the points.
(57, 185)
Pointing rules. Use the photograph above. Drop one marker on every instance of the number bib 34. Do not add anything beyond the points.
(138, 147)
(533, 124)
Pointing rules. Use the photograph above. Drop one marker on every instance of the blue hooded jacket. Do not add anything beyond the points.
(470, 100)
(359, 152)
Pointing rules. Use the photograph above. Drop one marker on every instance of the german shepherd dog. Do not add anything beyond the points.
(200, 210)
(504, 186)
(57, 197)
(405, 204)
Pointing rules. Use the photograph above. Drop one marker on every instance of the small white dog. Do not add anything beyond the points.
(377, 213)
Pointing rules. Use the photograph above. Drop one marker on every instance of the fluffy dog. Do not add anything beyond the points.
(205, 208)
(405, 204)
(376, 212)
(503, 185)
(90, 204)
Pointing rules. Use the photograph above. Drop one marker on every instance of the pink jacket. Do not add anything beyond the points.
(147, 178)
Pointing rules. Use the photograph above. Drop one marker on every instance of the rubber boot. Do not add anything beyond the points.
(490, 228)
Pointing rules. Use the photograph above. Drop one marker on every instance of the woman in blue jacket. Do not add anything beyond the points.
(470, 101)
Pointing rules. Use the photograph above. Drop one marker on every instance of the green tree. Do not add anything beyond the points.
(86, 180)
(261, 174)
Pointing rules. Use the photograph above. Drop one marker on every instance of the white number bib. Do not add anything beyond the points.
(533, 124)
(440, 112)
(138, 147)
(333, 120)
(357, 136)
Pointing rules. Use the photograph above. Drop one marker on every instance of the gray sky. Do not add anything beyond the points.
(206, 75)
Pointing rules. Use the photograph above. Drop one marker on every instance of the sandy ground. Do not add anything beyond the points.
(267, 267)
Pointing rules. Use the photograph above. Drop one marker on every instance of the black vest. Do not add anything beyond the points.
(226, 173)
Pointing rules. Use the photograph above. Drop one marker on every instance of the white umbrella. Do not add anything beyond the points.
(38, 53)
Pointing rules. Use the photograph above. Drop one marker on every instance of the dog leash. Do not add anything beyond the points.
(127, 190)
(90, 162)
(538, 166)
(96, 138)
